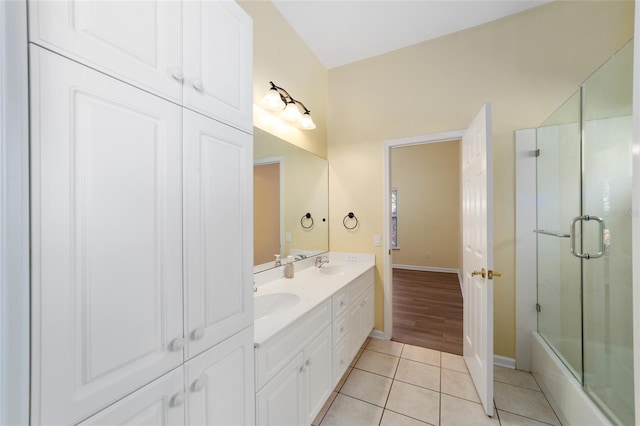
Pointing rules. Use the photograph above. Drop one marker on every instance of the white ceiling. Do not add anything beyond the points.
(344, 31)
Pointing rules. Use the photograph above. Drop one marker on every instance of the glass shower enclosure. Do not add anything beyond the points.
(584, 215)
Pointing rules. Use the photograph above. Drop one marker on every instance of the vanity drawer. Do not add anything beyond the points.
(340, 328)
(276, 352)
(340, 302)
(360, 284)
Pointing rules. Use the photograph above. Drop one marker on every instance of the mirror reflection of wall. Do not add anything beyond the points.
(288, 183)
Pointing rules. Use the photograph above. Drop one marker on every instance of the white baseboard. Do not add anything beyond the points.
(426, 268)
(503, 361)
(377, 334)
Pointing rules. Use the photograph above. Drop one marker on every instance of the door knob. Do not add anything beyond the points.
(481, 272)
(492, 273)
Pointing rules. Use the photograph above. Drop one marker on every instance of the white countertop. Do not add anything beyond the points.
(313, 288)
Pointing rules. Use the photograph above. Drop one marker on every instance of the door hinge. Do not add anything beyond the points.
(538, 308)
(536, 153)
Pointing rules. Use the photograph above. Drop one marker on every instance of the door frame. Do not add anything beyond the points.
(386, 212)
(280, 161)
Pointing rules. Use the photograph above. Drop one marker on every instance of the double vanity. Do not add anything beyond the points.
(307, 330)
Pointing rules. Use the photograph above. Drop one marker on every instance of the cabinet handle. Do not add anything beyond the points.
(197, 84)
(342, 303)
(341, 329)
(177, 400)
(301, 369)
(197, 333)
(176, 344)
(177, 74)
(308, 363)
(199, 384)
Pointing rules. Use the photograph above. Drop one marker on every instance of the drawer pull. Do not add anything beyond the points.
(176, 344)
(177, 400)
(197, 334)
(199, 384)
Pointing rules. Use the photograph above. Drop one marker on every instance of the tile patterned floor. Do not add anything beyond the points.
(395, 384)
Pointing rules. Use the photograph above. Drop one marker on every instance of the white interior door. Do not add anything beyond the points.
(477, 257)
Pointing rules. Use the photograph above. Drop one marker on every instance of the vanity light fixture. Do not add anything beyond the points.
(278, 99)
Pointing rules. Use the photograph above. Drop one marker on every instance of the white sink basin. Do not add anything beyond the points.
(332, 270)
(274, 303)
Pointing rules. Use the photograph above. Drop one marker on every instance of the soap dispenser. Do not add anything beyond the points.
(288, 267)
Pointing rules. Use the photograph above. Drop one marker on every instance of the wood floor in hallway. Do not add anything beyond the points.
(427, 310)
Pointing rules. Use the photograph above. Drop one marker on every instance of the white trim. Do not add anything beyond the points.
(426, 268)
(505, 362)
(280, 161)
(377, 334)
(566, 396)
(386, 211)
(526, 252)
(14, 214)
(636, 210)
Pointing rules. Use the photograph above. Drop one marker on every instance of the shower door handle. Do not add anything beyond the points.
(572, 247)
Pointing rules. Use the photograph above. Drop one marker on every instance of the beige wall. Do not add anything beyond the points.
(427, 178)
(281, 56)
(526, 65)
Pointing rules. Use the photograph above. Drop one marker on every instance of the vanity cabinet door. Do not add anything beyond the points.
(221, 383)
(139, 42)
(160, 403)
(218, 229)
(218, 62)
(318, 366)
(281, 402)
(361, 320)
(106, 198)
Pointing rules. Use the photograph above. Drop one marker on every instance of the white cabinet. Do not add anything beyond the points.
(160, 403)
(139, 42)
(196, 53)
(106, 238)
(218, 231)
(296, 394)
(281, 401)
(218, 61)
(220, 383)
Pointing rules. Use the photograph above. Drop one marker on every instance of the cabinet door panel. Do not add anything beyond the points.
(221, 383)
(106, 238)
(218, 58)
(318, 358)
(157, 404)
(218, 231)
(281, 401)
(137, 41)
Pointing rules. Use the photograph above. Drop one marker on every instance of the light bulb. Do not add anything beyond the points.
(272, 100)
(291, 112)
(306, 122)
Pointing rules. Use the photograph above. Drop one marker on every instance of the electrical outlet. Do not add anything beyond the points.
(351, 258)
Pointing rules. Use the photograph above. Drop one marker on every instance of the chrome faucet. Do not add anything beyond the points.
(321, 260)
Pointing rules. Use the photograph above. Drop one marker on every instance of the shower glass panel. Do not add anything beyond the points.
(558, 186)
(607, 281)
(584, 177)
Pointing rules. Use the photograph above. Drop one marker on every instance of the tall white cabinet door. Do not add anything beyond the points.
(218, 215)
(221, 383)
(318, 364)
(160, 403)
(137, 41)
(281, 401)
(106, 238)
(218, 62)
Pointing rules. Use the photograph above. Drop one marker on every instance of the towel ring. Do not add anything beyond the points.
(308, 218)
(350, 217)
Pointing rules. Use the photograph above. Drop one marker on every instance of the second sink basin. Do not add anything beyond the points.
(274, 303)
(332, 270)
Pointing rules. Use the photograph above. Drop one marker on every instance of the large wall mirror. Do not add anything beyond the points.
(290, 201)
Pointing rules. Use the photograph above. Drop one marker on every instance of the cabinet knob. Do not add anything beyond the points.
(177, 74)
(364, 302)
(197, 84)
(341, 329)
(198, 384)
(301, 369)
(342, 303)
(308, 363)
(176, 344)
(197, 333)
(177, 400)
